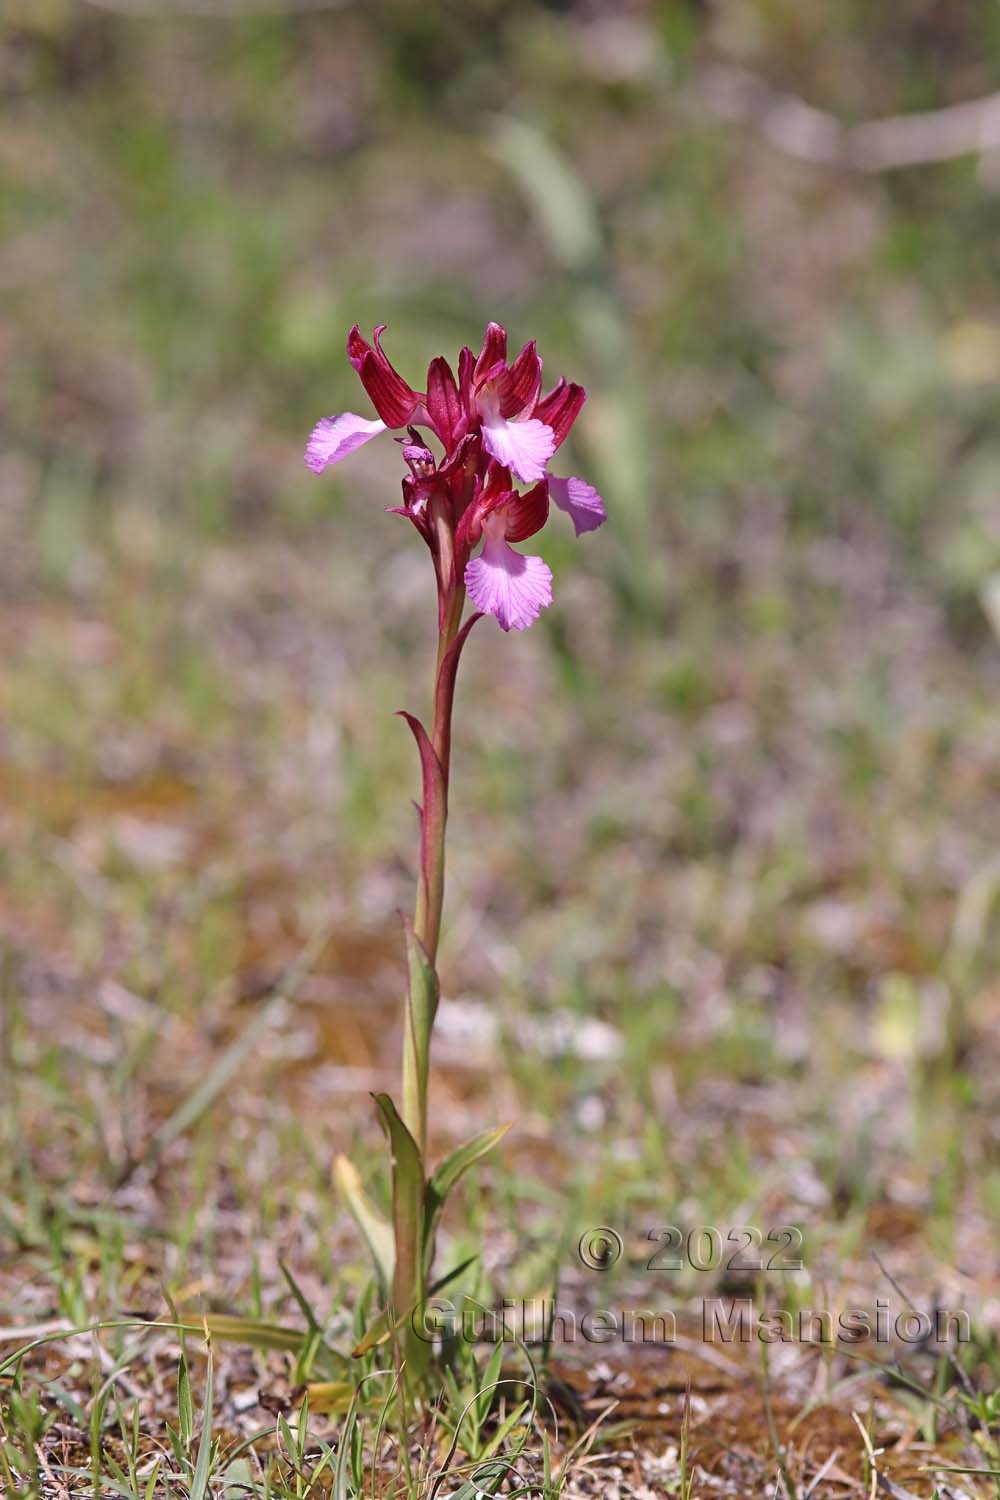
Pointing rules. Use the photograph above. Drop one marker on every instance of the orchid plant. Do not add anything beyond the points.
(496, 432)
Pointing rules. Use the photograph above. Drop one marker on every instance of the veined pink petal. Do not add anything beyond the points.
(580, 501)
(523, 447)
(335, 437)
(507, 584)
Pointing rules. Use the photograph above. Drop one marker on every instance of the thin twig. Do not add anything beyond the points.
(821, 1474)
(870, 1451)
(215, 9)
(797, 128)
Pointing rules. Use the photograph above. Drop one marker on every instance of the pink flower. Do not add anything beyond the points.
(505, 583)
(501, 582)
(503, 398)
(493, 423)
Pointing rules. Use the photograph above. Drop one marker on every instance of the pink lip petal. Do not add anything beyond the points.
(507, 584)
(523, 447)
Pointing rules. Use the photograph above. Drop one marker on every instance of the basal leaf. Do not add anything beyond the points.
(376, 1231)
(407, 1207)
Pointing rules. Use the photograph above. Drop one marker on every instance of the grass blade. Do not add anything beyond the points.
(199, 1484)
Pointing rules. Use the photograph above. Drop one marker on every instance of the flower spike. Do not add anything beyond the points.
(497, 431)
(502, 582)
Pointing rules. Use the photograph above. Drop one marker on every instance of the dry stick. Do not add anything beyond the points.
(866, 1438)
(578, 1454)
(821, 1473)
(953, 1360)
(215, 9)
(59, 1486)
(787, 122)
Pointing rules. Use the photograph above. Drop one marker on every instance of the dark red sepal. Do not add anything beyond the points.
(560, 408)
(393, 398)
(493, 352)
(526, 514)
(520, 385)
(443, 405)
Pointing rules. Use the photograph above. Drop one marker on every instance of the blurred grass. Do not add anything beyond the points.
(735, 796)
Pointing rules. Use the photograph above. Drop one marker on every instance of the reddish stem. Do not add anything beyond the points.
(430, 893)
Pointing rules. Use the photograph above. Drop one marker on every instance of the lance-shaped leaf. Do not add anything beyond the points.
(447, 1173)
(431, 772)
(407, 1207)
(375, 1231)
(423, 993)
(433, 815)
(199, 1483)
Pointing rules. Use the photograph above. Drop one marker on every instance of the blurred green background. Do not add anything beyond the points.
(735, 796)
